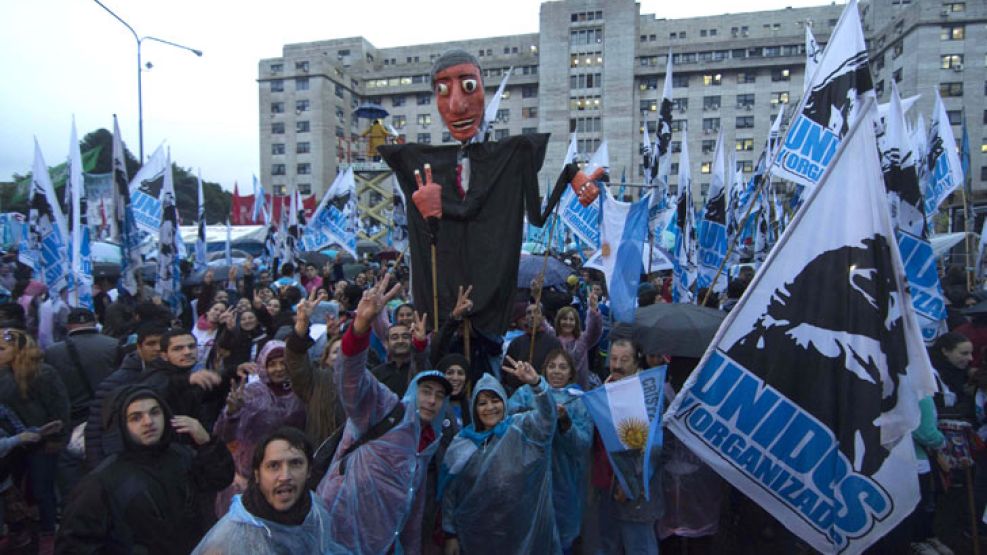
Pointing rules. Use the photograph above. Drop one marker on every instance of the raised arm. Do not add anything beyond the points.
(537, 425)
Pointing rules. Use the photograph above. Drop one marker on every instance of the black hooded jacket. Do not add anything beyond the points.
(145, 499)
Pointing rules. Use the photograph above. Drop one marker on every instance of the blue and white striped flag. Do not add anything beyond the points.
(627, 414)
(622, 238)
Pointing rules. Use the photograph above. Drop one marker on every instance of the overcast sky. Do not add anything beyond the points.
(69, 57)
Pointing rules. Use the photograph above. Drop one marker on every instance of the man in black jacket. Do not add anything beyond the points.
(397, 372)
(83, 360)
(188, 393)
(101, 442)
(144, 499)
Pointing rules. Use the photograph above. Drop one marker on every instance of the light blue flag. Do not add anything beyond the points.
(201, 260)
(622, 238)
(229, 246)
(259, 204)
(627, 413)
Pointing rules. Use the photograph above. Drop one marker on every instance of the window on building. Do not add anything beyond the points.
(955, 117)
(745, 77)
(781, 74)
(397, 100)
(529, 91)
(399, 121)
(279, 189)
(676, 147)
(277, 107)
(529, 112)
(706, 168)
(425, 138)
(712, 80)
(304, 188)
(951, 89)
(529, 130)
(301, 105)
(501, 134)
(897, 75)
(581, 37)
(303, 169)
(680, 125)
(278, 169)
(277, 85)
(745, 145)
(649, 105)
(585, 125)
(745, 100)
(302, 127)
(745, 122)
(746, 166)
(584, 103)
(680, 104)
(952, 32)
(424, 99)
(680, 80)
(340, 132)
(277, 128)
(446, 137)
(503, 115)
(711, 102)
(586, 81)
(424, 120)
(301, 66)
(954, 6)
(897, 49)
(303, 148)
(277, 68)
(779, 98)
(879, 88)
(711, 125)
(708, 147)
(338, 90)
(648, 83)
(983, 173)
(277, 148)
(950, 61)
(301, 83)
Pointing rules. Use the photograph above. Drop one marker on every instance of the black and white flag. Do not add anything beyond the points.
(808, 394)
(830, 105)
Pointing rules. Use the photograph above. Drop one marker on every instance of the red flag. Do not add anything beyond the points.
(240, 213)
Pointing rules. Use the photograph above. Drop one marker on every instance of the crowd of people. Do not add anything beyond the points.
(298, 411)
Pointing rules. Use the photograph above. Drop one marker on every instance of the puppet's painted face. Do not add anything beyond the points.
(459, 95)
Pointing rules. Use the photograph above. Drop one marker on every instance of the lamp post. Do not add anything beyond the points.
(140, 100)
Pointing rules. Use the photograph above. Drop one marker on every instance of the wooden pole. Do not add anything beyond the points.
(435, 291)
(966, 240)
(541, 278)
(972, 509)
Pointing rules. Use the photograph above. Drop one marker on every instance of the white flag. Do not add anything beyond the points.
(168, 277)
(830, 105)
(812, 56)
(944, 173)
(201, 258)
(47, 245)
(82, 265)
(806, 402)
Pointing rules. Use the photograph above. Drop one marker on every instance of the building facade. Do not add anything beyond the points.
(597, 68)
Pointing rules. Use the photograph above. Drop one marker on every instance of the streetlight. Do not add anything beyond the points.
(140, 101)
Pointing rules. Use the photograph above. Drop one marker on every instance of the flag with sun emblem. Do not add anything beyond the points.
(627, 413)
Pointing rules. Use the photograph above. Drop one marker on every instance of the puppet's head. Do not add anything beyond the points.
(458, 86)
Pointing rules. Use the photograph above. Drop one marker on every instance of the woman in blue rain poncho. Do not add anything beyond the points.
(570, 444)
(497, 496)
(375, 488)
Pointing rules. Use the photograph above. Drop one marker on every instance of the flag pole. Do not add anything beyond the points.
(541, 280)
(966, 237)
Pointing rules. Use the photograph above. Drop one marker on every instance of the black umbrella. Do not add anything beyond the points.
(679, 329)
(351, 270)
(315, 257)
(370, 110)
(530, 267)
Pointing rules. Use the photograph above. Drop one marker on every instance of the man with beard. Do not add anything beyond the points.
(400, 366)
(277, 513)
(139, 501)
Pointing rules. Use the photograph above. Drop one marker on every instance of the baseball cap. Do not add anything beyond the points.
(81, 316)
(435, 376)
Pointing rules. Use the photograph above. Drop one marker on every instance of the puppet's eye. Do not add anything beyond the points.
(469, 85)
(442, 88)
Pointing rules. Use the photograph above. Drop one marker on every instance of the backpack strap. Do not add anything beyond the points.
(77, 362)
(380, 428)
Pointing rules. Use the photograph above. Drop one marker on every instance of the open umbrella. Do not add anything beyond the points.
(371, 111)
(530, 267)
(679, 329)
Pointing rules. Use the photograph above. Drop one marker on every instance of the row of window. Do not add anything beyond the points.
(300, 148)
(583, 37)
(580, 17)
(301, 169)
(277, 128)
(786, 50)
(586, 59)
(301, 84)
(398, 81)
(300, 106)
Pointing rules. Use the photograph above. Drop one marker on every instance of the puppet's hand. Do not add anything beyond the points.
(583, 186)
(428, 197)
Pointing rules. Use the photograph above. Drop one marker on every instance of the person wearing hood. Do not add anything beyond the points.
(497, 485)
(277, 513)
(171, 377)
(457, 369)
(374, 486)
(571, 443)
(142, 500)
(254, 410)
(99, 441)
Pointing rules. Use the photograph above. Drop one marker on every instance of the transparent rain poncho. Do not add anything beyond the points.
(497, 484)
(571, 452)
(379, 500)
(240, 532)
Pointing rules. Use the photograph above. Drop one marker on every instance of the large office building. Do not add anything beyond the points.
(597, 67)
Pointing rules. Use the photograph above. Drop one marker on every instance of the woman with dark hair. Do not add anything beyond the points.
(570, 444)
(499, 474)
(578, 342)
(205, 331)
(243, 337)
(37, 395)
(951, 355)
(254, 410)
(456, 368)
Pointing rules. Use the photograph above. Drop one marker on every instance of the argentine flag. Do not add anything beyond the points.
(627, 413)
(622, 238)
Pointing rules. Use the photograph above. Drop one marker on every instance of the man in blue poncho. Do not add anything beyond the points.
(277, 513)
(374, 486)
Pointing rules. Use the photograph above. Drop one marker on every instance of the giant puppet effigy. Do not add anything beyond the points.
(469, 201)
